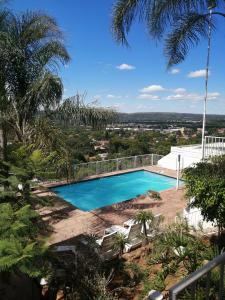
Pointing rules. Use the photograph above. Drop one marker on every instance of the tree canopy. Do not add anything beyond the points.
(31, 50)
(205, 183)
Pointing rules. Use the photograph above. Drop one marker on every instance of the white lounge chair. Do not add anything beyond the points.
(156, 221)
(132, 233)
(154, 229)
(134, 239)
(107, 248)
(120, 229)
(116, 228)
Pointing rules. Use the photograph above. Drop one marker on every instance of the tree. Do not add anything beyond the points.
(180, 24)
(143, 217)
(19, 246)
(205, 184)
(120, 241)
(32, 49)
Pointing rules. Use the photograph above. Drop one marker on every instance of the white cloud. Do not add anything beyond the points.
(175, 71)
(110, 96)
(212, 96)
(192, 96)
(148, 97)
(152, 88)
(179, 91)
(125, 67)
(197, 73)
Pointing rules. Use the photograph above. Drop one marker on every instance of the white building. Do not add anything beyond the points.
(191, 154)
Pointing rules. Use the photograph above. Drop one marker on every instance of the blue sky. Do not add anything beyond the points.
(131, 79)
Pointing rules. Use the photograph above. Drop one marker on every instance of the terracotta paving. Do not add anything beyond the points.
(69, 222)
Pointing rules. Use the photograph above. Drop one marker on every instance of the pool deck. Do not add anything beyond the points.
(68, 222)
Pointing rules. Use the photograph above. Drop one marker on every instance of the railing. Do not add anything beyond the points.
(214, 146)
(201, 279)
(106, 166)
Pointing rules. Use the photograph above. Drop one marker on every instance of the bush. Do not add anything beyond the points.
(137, 273)
(154, 195)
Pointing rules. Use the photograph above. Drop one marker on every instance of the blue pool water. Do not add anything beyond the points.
(92, 194)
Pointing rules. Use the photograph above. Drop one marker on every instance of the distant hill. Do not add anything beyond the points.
(165, 117)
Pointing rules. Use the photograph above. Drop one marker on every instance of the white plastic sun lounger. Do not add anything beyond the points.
(130, 222)
(104, 238)
(107, 246)
(134, 238)
(116, 228)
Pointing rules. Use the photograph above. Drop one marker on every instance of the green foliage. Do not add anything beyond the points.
(10, 177)
(19, 245)
(96, 289)
(32, 82)
(120, 241)
(4, 174)
(138, 274)
(205, 183)
(143, 217)
(177, 245)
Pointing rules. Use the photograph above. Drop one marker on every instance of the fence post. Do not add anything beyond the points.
(135, 161)
(117, 164)
(152, 160)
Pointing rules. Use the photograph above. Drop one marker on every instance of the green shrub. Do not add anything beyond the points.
(137, 272)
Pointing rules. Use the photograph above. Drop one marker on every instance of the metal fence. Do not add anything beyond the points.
(206, 283)
(214, 146)
(106, 166)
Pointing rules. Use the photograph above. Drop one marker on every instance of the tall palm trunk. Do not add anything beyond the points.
(145, 230)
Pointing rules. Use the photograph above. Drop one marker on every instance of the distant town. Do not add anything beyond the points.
(142, 133)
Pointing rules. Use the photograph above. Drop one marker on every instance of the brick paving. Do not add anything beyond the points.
(69, 222)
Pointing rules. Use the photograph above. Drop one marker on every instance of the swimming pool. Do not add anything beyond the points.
(96, 193)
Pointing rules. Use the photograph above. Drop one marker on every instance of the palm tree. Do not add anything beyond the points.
(143, 217)
(120, 241)
(31, 50)
(180, 24)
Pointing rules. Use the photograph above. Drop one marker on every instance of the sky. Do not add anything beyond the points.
(133, 79)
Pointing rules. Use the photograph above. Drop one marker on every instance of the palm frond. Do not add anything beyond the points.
(34, 26)
(186, 33)
(181, 23)
(45, 91)
(31, 50)
(162, 14)
(74, 111)
(124, 14)
(50, 54)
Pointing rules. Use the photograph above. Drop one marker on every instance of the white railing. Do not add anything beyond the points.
(214, 146)
(106, 166)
